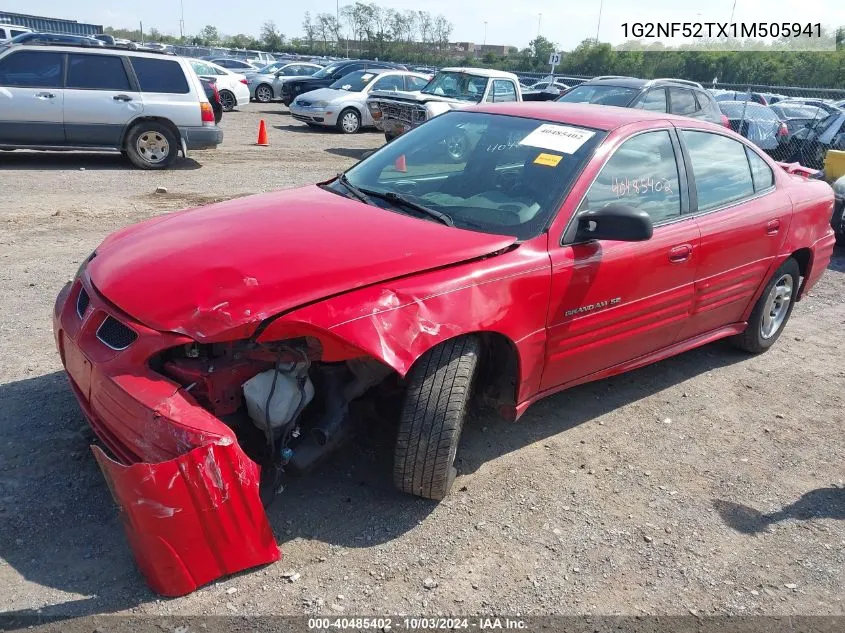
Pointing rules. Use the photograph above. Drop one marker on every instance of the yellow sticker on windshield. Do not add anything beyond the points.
(549, 160)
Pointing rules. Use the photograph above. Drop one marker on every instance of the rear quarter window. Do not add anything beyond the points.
(160, 75)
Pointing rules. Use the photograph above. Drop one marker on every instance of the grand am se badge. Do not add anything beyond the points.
(593, 306)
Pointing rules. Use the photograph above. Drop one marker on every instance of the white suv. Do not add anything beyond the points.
(148, 106)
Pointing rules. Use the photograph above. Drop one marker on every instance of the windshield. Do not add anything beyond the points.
(325, 72)
(457, 85)
(603, 95)
(489, 172)
(354, 82)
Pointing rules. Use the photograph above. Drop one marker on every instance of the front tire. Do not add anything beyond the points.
(436, 403)
(151, 145)
(264, 93)
(228, 100)
(349, 121)
(772, 310)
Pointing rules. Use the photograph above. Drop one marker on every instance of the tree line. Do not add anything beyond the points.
(369, 30)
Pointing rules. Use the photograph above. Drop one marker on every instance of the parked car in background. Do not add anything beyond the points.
(675, 96)
(55, 39)
(828, 106)
(759, 124)
(343, 104)
(146, 105)
(545, 90)
(838, 219)
(567, 248)
(233, 87)
(797, 115)
(267, 86)
(809, 145)
(256, 58)
(450, 89)
(734, 95)
(158, 46)
(328, 75)
(213, 94)
(236, 65)
(9, 31)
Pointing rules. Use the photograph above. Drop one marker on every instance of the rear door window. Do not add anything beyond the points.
(721, 169)
(761, 173)
(32, 69)
(96, 72)
(654, 100)
(160, 75)
(683, 101)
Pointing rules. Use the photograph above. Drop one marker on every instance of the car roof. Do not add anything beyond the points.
(92, 50)
(600, 117)
(481, 72)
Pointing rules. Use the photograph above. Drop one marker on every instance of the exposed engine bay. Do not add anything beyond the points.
(288, 409)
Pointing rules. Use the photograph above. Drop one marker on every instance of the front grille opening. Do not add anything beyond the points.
(82, 302)
(115, 335)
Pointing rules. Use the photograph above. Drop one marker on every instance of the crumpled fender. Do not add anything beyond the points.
(194, 518)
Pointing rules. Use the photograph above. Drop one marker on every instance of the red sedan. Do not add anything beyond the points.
(564, 244)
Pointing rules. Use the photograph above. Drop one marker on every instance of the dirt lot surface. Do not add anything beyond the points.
(711, 482)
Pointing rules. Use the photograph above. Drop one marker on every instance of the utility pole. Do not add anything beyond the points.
(485, 33)
(539, 22)
(182, 20)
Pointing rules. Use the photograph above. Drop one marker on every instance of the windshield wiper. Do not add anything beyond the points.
(395, 198)
(356, 193)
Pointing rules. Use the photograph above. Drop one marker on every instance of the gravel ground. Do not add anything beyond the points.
(711, 482)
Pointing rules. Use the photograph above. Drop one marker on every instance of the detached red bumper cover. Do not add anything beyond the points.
(194, 518)
(187, 493)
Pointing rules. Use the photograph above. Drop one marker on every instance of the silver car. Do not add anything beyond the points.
(343, 104)
(266, 86)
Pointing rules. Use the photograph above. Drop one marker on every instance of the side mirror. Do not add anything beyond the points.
(614, 222)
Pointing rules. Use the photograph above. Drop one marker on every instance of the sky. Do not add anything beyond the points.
(508, 22)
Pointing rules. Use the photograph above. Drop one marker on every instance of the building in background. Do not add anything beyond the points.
(50, 25)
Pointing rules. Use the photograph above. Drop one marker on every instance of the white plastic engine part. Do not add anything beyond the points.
(287, 398)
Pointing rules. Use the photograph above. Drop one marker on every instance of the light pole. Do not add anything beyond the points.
(598, 26)
(539, 22)
(182, 20)
(485, 34)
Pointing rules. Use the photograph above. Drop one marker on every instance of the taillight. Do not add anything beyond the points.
(244, 81)
(783, 130)
(207, 112)
(725, 121)
(216, 92)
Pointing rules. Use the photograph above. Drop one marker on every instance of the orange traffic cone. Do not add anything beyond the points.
(262, 134)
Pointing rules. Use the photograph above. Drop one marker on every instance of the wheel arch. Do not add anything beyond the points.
(146, 119)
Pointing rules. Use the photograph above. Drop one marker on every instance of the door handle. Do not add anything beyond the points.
(45, 95)
(122, 98)
(680, 254)
(772, 227)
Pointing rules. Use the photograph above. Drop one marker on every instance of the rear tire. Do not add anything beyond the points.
(151, 145)
(264, 93)
(772, 310)
(228, 100)
(436, 403)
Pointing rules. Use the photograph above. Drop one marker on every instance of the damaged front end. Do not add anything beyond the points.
(198, 437)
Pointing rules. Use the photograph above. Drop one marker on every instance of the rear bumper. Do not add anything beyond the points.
(205, 137)
(187, 493)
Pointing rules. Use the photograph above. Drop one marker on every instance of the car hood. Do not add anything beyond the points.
(226, 267)
(330, 94)
(415, 97)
